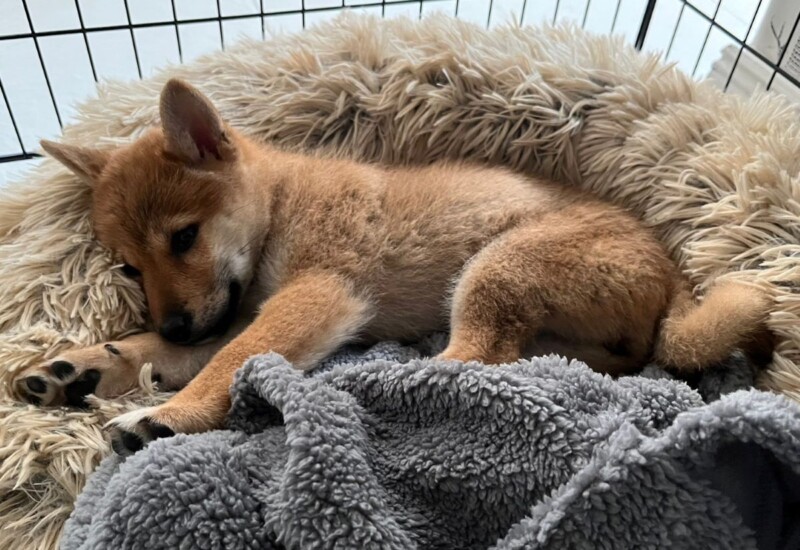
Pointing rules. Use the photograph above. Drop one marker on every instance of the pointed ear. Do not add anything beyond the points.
(84, 162)
(193, 129)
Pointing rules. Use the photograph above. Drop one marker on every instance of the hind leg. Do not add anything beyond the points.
(566, 279)
(496, 304)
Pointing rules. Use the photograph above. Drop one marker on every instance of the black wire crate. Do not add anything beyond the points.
(52, 52)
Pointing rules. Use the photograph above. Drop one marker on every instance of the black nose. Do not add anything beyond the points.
(177, 327)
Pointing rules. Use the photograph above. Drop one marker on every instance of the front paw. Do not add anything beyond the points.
(132, 431)
(69, 378)
(58, 383)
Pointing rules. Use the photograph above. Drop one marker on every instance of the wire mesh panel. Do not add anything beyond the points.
(52, 52)
(741, 45)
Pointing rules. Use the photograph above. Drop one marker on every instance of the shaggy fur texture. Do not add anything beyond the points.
(716, 177)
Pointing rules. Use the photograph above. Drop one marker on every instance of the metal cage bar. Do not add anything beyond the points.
(526, 9)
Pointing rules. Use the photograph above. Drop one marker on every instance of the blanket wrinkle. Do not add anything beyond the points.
(382, 448)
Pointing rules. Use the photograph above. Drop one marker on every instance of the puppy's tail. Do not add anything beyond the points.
(732, 315)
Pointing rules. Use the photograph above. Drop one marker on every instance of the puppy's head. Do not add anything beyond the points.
(174, 207)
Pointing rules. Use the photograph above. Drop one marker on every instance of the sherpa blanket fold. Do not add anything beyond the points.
(386, 449)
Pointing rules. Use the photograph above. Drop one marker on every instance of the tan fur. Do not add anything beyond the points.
(692, 337)
(306, 320)
(332, 251)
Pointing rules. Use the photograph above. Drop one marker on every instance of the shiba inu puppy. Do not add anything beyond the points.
(242, 248)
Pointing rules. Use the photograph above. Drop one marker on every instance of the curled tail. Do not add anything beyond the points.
(732, 315)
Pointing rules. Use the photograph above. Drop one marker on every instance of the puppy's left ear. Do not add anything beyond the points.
(193, 129)
(84, 162)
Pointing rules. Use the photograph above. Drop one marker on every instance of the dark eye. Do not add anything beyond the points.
(184, 239)
(111, 349)
(130, 271)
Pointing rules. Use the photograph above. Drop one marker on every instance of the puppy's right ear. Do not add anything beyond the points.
(84, 162)
(193, 128)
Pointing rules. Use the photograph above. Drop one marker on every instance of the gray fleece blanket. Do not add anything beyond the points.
(382, 448)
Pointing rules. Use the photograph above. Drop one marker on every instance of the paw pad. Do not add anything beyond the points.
(36, 384)
(59, 383)
(62, 369)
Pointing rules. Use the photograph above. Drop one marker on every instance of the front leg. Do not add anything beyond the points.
(304, 321)
(111, 369)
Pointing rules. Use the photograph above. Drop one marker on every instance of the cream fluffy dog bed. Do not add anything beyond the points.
(715, 177)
